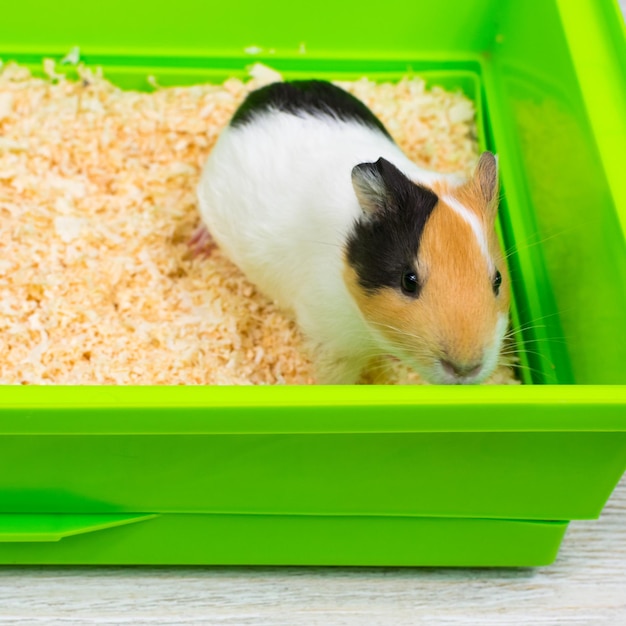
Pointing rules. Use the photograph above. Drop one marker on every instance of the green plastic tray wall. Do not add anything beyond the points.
(566, 198)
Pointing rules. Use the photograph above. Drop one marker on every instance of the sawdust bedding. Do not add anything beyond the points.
(97, 206)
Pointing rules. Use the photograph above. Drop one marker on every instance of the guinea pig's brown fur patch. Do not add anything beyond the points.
(459, 283)
(456, 312)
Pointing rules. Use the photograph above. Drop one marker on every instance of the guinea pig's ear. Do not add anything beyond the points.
(486, 179)
(369, 186)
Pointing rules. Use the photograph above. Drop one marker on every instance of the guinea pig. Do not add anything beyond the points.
(306, 191)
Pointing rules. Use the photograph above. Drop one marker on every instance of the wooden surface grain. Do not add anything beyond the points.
(586, 586)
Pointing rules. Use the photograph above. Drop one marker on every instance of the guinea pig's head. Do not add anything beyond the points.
(426, 270)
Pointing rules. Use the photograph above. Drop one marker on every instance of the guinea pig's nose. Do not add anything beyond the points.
(461, 369)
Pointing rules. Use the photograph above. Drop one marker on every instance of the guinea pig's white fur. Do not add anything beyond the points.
(276, 195)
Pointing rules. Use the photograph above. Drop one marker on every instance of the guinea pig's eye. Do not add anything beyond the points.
(409, 283)
(497, 281)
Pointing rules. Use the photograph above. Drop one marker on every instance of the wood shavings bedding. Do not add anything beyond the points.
(97, 205)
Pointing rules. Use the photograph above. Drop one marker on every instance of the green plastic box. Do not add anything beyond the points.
(463, 476)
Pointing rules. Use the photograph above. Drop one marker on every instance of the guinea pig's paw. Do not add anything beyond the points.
(201, 242)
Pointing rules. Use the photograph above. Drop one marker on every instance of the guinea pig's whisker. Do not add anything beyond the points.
(530, 244)
(401, 348)
(504, 354)
(513, 351)
(511, 335)
(580, 225)
(396, 344)
(399, 331)
(526, 326)
(561, 340)
(374, 367)
(544, 357)
(532, 322)
(522, 339)
(533, 370)
(546, 316)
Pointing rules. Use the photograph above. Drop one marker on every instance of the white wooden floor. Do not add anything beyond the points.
(586, 586)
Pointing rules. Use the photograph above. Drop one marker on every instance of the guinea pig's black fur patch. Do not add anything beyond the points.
(312, 97)
(384, 243)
